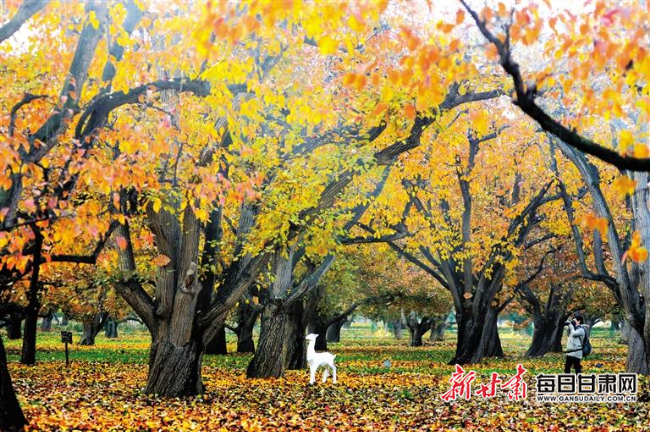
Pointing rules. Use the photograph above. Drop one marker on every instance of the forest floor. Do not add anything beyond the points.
(102, 390)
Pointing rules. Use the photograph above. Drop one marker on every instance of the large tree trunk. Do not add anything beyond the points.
(544, 336)
(468, 341)
(175, 370)
(270, 357)
(11, 415)
(490, 340)
(478, 337)
(334, 331)
(416, 336)
(417, 328)
(217, 345)
(46, 322)
(296, 349)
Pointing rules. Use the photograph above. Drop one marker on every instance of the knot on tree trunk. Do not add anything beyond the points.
(190, 285)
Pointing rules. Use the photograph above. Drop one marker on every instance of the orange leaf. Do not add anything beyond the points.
(460, 16)
(121, 242)
(161, 260)
(380, 109)
(409, 111)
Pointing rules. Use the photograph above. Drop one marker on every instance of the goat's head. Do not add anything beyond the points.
(311, 337)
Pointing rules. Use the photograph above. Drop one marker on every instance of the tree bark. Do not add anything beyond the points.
(92, 326)
(296, 349)
(88, 337)
(625, 333)
(246, 318)
(636, 355)
(417, 328)
(11, 415)
(334, 331)
(490, 338)
(217, 345)
(64, 319)
(545, 336)
(416, 336)
(270, 357)
(175, 370)
(478, 337)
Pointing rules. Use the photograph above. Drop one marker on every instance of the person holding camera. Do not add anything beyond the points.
(577, 336)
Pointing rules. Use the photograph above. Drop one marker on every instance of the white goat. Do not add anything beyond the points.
(316, 360)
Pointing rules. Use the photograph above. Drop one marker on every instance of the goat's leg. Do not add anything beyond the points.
(333, 373)
(326, 373)
(312, 374)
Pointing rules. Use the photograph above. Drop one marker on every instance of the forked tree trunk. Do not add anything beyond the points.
(175, 370)
(64, 320)
(92, 326)
(217, 345)
(11, 415)
(416, 336)
(478, 337)
(334, 331)
(270, 357)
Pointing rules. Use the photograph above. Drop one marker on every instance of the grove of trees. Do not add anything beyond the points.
(197, 166)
